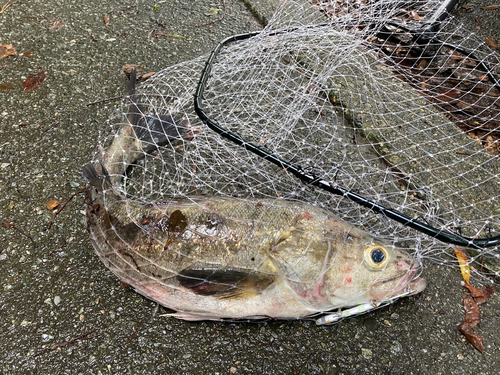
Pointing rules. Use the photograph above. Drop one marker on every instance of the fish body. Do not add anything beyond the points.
(215, 257)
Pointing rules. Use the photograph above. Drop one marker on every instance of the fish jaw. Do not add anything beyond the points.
(409, 284)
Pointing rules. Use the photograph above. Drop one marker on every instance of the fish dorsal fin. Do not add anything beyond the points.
(225, 283)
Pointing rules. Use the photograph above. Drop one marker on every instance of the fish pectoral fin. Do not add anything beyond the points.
(225, 283)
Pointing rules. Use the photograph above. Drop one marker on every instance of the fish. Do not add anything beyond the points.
(217, 257)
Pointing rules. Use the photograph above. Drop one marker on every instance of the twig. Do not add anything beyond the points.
(135, 332)
(7, 4)
(105, 100)
(10, 224)
(163, 26)
(211, 23)
(171, 35)
(83, 337)
(64, 205)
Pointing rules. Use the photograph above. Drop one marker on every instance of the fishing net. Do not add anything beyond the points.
(394, 103)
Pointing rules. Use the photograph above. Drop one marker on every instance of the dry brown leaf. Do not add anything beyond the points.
(140, 75)
(52, 204)
(416, 16)
(490, 7)
(481, 295)
(6, 86)
(456, 56)
(472, 336)
(471, 311)
(486, 293)
(8, 224)
(449, 95)
(127, 69)
(492, 43)
(33, 81)
(147, 75)
(56, 25)
(471, 304)
(7, 50)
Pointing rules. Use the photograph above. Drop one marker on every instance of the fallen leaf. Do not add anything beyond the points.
(6, 86)
(463, 105)
(106, 20)
(465, 6)
(490, 7)
(212, 11)
(416, 16)
(449, 95)
(481, 295)
(471, 304)
(463, 263)
(471, 311)
(472, 336)
(7, 50)
(487, 293)
(456, 56)
(8, 224)
(33, 81)
(28, 54)
(492, 43)
(52, 204)
(56, 25)
(127, 69)
(147, 75)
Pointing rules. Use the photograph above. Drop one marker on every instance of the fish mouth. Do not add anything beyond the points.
(408, 285)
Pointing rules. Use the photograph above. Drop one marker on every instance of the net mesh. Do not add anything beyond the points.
(344, 91)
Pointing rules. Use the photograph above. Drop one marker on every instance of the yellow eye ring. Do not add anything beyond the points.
(376, 256)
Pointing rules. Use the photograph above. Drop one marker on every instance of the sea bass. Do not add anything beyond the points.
(215, 257)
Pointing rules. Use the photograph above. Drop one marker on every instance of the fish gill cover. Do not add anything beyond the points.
(394, 105)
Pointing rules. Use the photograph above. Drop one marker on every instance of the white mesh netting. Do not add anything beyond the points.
(351, 95)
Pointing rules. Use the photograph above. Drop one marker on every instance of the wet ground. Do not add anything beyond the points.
(63, 312)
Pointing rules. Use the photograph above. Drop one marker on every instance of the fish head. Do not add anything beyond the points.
(366, 269)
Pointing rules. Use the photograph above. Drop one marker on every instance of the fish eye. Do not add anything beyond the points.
(376, 256)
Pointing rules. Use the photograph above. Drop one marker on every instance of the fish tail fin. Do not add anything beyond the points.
(151, 129)
(94, 178)
(135, 110)
(158, 130)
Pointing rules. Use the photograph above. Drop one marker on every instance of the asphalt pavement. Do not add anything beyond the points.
(63, 312)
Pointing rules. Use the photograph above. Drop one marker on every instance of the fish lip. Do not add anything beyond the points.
(417, 285)
(408, 285)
